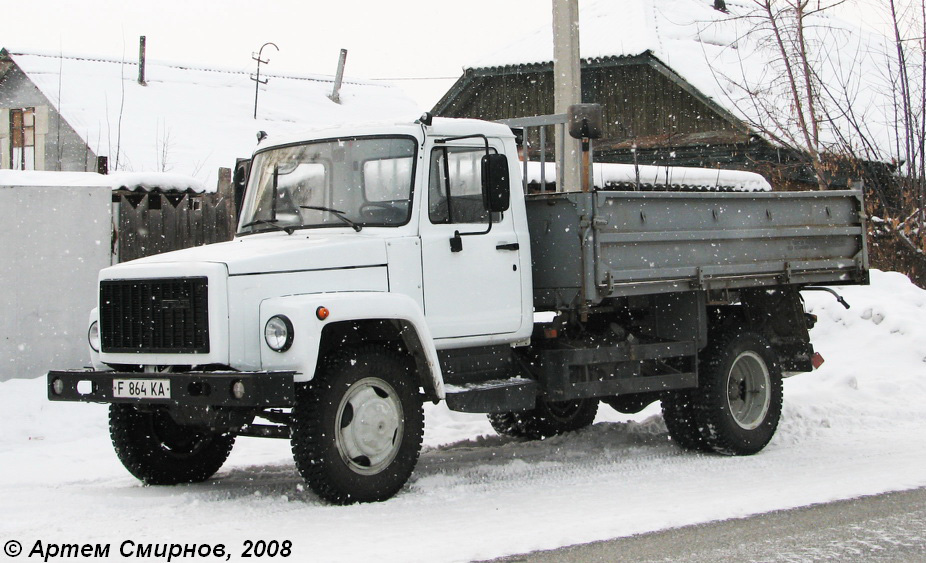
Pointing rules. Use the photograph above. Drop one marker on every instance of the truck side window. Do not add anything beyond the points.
(455, 186)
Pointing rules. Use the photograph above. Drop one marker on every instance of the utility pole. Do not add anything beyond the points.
(256, 78)
(567, 88)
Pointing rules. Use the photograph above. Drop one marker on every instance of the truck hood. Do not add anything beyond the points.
(279, 252)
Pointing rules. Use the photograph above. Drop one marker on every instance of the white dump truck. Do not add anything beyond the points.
(376, 268)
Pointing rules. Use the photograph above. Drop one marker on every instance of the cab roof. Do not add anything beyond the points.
(440, 127)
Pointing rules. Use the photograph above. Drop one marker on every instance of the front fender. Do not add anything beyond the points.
(302, 356)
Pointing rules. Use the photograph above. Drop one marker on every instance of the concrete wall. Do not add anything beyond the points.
(53, 242)
(54, 136)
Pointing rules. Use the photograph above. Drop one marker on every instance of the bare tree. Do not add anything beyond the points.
(841, 97)
(787, 24)
(895, 201)
(910, 102)
(783, 100)
(163, 142)
(903, 83)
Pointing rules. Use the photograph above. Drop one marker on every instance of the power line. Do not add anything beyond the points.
(418, 78)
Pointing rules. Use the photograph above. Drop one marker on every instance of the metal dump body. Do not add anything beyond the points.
(587, 247)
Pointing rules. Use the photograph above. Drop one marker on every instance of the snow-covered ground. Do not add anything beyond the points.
(855, 427)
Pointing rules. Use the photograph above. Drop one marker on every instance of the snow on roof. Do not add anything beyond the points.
(725, 57)
(607, 175)
(133, 181)
(192, 120)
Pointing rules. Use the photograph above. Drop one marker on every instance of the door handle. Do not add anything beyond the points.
(508, 246)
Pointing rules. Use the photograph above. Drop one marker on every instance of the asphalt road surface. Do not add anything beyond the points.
(889, 527)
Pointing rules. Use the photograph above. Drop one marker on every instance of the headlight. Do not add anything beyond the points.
(278, 332)
(93, 336)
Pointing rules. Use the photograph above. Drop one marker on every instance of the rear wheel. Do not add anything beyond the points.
(740, 396)
(548, 418)
(158, 451)
(357, 429)
(678, 411)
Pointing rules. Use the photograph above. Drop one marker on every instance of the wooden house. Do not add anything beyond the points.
(672, 77)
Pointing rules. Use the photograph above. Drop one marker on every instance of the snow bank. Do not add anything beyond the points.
(855, 427)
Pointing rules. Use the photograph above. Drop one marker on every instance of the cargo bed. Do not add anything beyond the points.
(588, 247)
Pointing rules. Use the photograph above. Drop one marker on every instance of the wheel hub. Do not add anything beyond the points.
(370, 426)
(749, 390)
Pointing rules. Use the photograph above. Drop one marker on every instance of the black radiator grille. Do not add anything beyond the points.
(155, 316)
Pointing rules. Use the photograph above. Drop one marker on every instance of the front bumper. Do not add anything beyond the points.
(264, 389)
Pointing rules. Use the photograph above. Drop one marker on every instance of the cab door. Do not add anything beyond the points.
(470, 266)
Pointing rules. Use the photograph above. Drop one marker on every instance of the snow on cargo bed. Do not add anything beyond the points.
(854, 427)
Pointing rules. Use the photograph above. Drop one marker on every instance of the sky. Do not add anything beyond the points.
(402, 39)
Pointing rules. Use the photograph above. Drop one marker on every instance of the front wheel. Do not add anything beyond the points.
(357, 429)
(158, 451)
(738, 403)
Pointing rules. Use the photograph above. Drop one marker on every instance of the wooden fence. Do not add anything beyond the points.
(152, 223)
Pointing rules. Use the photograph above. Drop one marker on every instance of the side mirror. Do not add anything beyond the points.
(240, 181)
(496, 189)
(585, 121)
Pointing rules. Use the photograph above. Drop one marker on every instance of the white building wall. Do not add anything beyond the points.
(53, 242)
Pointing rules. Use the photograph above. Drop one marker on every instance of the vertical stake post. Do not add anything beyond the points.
(336, 91)
(141, 61)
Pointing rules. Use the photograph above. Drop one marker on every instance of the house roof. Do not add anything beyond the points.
(192, 120)
(726, 57)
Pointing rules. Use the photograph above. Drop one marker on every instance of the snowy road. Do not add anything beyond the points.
(856, 427)
(888, 527)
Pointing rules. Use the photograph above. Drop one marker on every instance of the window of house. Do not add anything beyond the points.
(22, 136)
(455, 186)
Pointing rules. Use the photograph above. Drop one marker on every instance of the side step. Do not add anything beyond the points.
(500, 395)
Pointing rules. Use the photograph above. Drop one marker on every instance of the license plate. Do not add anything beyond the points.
(141, 388)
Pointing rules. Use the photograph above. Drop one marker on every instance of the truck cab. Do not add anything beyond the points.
(370, 235)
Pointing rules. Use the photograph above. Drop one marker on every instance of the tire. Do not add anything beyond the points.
(738, 402)
(357, 429)
(678, 411)
(158, 451)
(630, 404)
(548, 418)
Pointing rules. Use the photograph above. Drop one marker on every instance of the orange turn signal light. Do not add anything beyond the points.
(322, 313)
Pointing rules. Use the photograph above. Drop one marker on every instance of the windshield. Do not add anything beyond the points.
(353, 182)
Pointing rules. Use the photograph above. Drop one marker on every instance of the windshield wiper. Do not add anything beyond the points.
(336, 213)
(269, 222)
